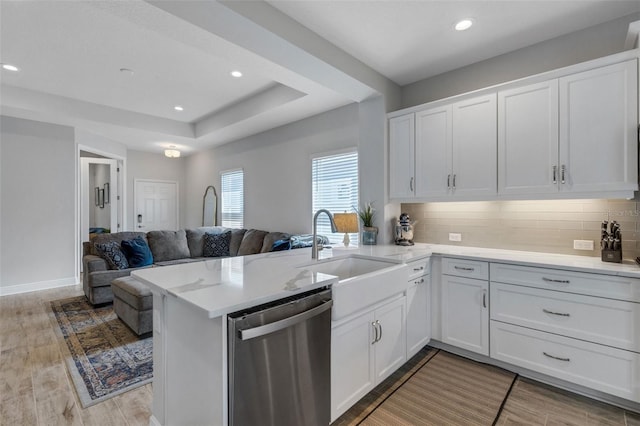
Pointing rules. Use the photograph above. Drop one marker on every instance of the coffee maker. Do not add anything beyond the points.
(404, 230)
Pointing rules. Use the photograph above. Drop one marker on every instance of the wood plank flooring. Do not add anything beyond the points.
(35, 387)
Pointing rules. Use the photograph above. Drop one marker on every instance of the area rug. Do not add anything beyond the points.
(104, 357)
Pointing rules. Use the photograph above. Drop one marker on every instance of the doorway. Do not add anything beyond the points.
(156, 205)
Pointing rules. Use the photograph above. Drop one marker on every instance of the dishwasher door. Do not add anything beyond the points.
(280, 363)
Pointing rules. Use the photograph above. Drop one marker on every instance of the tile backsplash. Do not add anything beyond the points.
(542, 226)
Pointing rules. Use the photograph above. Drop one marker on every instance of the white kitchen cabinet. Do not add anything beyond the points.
(528, 139)
(465, 311)
(401, 156)
(598, 129)
(433, 152)
(418, 314)
(365, 350)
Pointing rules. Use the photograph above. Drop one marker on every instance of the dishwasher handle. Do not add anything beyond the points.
(263, 330)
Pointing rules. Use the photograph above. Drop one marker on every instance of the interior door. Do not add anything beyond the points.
(156, 206)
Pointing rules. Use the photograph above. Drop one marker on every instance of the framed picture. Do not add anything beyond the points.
(97, 196)
(107, 193)
(101, 197)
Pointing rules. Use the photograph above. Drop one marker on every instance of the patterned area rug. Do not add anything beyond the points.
(104, 357)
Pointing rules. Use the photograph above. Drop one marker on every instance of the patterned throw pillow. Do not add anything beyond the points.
(111, 252)
(216, 245)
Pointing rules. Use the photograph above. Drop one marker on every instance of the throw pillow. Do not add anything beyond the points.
(137, 252)
(112, 253)
(281, 245)
(216, 245)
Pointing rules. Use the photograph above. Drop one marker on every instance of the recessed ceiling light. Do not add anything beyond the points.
(236, 74)
(178, 108)
(10, 67)
(463, 24)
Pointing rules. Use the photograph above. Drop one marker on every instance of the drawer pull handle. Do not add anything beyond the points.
(556, 357)
(551, 280)
(419, 281)
(484, 299)
(375, 330)
(462, 268)
(419, 269)
(560, 314)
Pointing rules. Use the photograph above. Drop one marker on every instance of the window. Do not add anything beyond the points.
(335, 188)
(232, 199)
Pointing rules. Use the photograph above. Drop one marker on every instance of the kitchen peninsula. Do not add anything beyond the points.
(469, 292)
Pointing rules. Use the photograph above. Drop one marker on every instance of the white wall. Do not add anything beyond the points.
(146, 165)
(99, 174)
(591, 43)
(37, 208)
(277, 170)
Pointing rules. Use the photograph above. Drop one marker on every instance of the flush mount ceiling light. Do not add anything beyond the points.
(126, 71)
(236, 74)
(172, 152)
(10, 67)
(463, 24)
(178, 108)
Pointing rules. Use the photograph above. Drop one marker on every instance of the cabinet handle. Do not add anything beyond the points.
(484, 298)
(462, 268)
(555, 174)
(560, 314)
(380, 327)
(550, 280)
(449, 181)
(420, 281)
(418, 269)
(454, 181)
(375, 330)
(563, 168)
(411, 184)
(556, 357)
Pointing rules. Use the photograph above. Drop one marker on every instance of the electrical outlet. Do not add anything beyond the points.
(583, 244)
(455, 237)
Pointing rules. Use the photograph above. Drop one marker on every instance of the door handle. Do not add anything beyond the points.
(484, 298)
(380, 327)
(454, 181)
(411, 184)
(420, 281)
(375, 330)
(262, 330)
(563, 169)
(555, 174)
(449, 181)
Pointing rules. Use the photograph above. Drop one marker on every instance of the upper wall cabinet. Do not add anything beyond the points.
(576, 134)
(401, 156)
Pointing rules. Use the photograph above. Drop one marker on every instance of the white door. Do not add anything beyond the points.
(156, 205)
(401, 156)
(418, 314)
(528, 139)
(475, 147)
(598, 129)
(465, 313)
(390, 349)
(433, 152)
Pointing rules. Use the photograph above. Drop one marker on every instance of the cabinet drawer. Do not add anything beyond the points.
(595, 319)
(465, 268)
(419, 268)
(599, 367)
(610, 286)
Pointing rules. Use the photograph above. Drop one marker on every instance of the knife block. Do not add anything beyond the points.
(610, 255)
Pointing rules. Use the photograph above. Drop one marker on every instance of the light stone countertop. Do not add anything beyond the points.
(222, 286)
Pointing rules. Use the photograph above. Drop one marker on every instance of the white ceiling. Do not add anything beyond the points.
(70, 54)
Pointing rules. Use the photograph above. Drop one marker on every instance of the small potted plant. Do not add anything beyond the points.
(369, 232)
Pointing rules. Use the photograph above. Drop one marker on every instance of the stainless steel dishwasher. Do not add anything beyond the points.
(280, 362)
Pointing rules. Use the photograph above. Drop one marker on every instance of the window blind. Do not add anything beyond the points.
(335, 188)
(232, 199)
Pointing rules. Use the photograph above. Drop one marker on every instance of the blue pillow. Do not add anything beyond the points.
(216, 245)
(137, 252)
(112, 253)
(281, 245)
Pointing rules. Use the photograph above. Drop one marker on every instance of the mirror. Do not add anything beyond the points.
(209, 206)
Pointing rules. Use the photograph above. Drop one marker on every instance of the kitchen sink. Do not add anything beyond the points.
(362, 281)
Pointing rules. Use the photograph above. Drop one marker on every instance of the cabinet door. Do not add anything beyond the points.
(390, 349)
(352, 363)
(418, 314)
(465, 313)
(528, 139)
(433, 152)
(475, 146)
(598, 129)
(401, 156)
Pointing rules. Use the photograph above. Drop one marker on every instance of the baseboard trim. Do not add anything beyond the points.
(37, 286)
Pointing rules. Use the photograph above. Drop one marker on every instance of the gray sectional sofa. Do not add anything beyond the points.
(168, 248)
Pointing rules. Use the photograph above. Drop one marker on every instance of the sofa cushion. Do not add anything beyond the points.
(271, 238)
(111, 252)
(195, 238)
(116, 236)
(168, 245)
(236, 239)
(252, 242)
(216, 245)
(137, 252)
(133, 292)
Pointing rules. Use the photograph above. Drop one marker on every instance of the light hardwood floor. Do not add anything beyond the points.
(35, 387)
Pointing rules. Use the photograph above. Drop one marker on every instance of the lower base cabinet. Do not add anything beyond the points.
(418, 314)
(365, 349)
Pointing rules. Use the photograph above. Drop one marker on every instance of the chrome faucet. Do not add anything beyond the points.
(317, 247)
